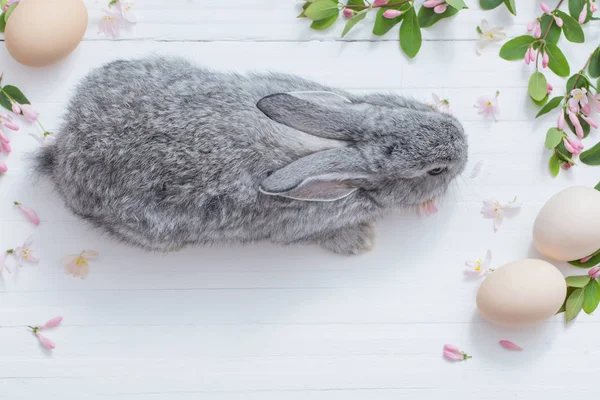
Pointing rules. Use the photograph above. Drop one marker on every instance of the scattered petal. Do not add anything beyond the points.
(452, 353)
(77, 264)
(29, 213)
(44, 341)
(510, 345)
(51, 323)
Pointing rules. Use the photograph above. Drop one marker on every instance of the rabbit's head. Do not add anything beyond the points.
(402, 153)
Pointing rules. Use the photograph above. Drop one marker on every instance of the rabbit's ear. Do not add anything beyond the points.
(324, 114)
(324, 176)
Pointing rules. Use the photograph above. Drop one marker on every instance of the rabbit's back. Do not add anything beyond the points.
(161, 153)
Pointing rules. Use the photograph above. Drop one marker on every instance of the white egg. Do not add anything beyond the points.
(521, 293)
(568, 226)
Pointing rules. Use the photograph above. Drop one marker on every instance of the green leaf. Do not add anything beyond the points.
(16, 94)
(552, 104)
(591, 295)
(458, 4)
(564, 306)
(516, 48)
(510, 4)
(322, 9)
(3, 4)
(554, 165)
(5, 102)
(304, 7)
(578, 281)
(594, 68)
(541, 102)
(557, 61)
(581, 82)
(575, 8)
(588, 264)
(538, 88)
(574, 304)
(553, 138)
(591, 156)
(383, 25)
(597, 187)
(427, 17)
(490, 4)
(562, 153)
(353, 21)
(324, 23)
(10, 11)
(410, 33)
(356, 2)
(554, 31)
(571, 27)
(2, 23)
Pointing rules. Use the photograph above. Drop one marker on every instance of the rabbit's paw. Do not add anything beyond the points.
(351, 241)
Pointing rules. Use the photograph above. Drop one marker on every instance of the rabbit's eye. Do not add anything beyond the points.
(436, 171)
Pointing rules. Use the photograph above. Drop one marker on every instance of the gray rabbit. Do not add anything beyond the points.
(162, 154)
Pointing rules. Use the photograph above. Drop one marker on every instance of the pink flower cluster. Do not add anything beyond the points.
(120, 14)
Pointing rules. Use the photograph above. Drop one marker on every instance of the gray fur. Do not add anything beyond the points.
(162, 154)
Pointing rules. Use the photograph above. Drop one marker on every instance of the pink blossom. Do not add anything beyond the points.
(531, 26)
(44, 341)
(549, 88)
(532, 54)
(559, 21)
(77, 264)
(528, 56)
(29, 112)
(51, 323)
(29, 213)
(3, 167)
(3, 137)
(594, 272)
(111, 25)
(545, 60)
(593, 7)
(560, 124)
(576, 124)
(510, 345)
(480, 266)
(538, 31)
(6, 120)
(126, 9)
(572, 145)
(25, 252)
(595, 100)
(427, 208)
(578, 98)
(585, 259)
(583, 15)
(452, 353)
(441, 8)
(587, 110)
(566, 166)
(5, 146)
(15, 107)
(495, 209)
(545, 8)
(380, 2)
(590, 121)
(348, 13)
(488, 105)
(392, 13)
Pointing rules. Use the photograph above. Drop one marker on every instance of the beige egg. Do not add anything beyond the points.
(568, 226)
(41, 32)
(521, 293)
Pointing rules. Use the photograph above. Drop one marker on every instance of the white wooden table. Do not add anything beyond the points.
(265, 322)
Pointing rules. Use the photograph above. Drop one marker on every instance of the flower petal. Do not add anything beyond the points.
(52, 323)
(510, 345)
